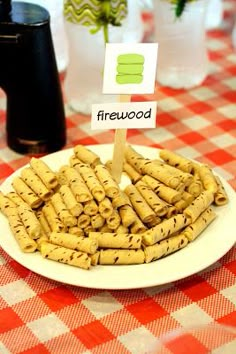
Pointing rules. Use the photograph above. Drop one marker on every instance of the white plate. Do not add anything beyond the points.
(209, 247)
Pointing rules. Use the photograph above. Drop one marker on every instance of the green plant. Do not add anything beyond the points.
(109, 15)
(98, 14)
(179, 6)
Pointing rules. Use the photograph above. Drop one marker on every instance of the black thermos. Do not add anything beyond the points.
(35, 122)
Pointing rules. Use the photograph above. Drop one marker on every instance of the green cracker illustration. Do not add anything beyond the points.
(129, 68)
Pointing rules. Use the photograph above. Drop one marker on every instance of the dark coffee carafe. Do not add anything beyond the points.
(35, 122)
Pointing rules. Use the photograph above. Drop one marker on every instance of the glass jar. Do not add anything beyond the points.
(182, 57)
(84, 76)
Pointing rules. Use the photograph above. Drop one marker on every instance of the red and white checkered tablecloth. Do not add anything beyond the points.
(38, 315)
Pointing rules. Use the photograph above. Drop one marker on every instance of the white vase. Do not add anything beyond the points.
(182, 57)
(84, 76)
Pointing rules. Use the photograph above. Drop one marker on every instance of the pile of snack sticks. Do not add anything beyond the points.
(80, 216)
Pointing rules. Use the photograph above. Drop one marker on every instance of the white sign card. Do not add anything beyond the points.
(130, 68)
(125, 115)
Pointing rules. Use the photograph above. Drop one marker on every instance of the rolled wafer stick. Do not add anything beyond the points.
(65, 255)
(25, 242)
(135, 159)
(220, 196)
(172, 210)
(70, 201)
(35, 183)
(165, 229)
(43, 238)
(9, 209)
(74, 162)
(43, 222)
(128, 215)
(193, 230)
(164, 192)
(133, 174)
(139, 204)
(162, 174)
(90, 207)
(16, 198)
(110, 186)
(114, 220)
(26, 193)
(83, 221)
(114, 240)
(185, 177)
(64, 214)
(181, 187)
(30, 221)
(52, 218)
(86, 155)
(154, 222)
(199, 204)
(158, 206)
(115, 257)
(165, 247)
(62, 180)
(44, 172)
(181, 205)
(176, 160)
(7, 206)
(95, 258)
(88, 229)
(207, 177)
(105, 228)
(77, 185)
(105, 208)
(187, 197)
(120, 200)
(138, 227)
(121, 229)
(27, 215)
(76, 230)
(97, 221)
(196, 187)
(90, 178)
(84, 244)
